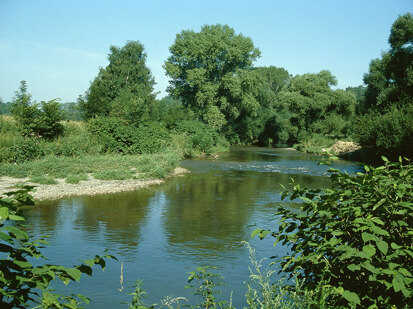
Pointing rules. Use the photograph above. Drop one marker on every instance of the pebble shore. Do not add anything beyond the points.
(92, 186)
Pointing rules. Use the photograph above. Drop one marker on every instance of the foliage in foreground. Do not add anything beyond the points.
(354, 240)
(22, 283)
(262, 291)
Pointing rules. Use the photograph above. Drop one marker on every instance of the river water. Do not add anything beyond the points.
(162, 233)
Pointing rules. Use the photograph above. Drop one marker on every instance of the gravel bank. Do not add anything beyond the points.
(91, 186)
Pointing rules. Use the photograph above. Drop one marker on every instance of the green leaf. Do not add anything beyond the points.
(19, 233)
(369, 250)
(263, 234)
(16, 218)
(4, 213)
(74, 273)
(367, 236)
(22, 264)
(6, 237)
(397, 285)
(339, 290)
(383, 246)
(353, 267)
(255, 232)
(351, 297)
(89, 262)
(377, 220)
(334, 241)
(395, 246)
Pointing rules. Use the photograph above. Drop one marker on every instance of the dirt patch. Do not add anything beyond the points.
(92, 186)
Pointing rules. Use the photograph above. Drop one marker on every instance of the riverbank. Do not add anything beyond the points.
(91, 186)
(328, 147)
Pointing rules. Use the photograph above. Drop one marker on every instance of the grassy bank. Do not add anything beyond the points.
(104, 167)
(105, 154)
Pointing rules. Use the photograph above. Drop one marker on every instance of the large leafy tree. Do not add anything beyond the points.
(211, 72)
(124, 88)
(312, 106)
(387, 124)
(390, 78)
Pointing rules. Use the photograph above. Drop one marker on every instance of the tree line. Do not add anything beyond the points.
(214, 83)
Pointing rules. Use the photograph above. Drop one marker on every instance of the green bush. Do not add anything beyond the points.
(391, 133)
(354, 240)
(151, 137)
(75, 141)
(202, 137)
(25, 149)
(117, 136)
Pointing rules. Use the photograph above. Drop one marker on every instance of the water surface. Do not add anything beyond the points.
(163, 232)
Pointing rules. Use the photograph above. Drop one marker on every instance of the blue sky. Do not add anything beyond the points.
(58, 46)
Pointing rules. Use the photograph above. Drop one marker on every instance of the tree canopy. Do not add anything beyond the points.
(312, 106)
(386, 124)
(124, 88)
(211, 72)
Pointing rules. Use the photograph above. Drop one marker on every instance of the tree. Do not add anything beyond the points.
(389, 80)
(34, 119)
(211, 73)
(24, 111)
(313, 107)
(385, 125)
(48, 122)
(124, 88)
(274, 78)
(5, 107)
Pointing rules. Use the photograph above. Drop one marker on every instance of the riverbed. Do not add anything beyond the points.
(162, 233)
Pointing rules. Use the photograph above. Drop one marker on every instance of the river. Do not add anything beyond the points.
(164, 232)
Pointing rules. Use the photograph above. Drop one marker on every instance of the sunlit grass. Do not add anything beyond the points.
(109, 166)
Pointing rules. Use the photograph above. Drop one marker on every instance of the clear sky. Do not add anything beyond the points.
(58, 46)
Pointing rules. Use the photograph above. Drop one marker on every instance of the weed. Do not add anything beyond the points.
(43, 180)
(74, 179)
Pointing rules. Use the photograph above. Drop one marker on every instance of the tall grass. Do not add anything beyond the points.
(151, 166)
(263, 291)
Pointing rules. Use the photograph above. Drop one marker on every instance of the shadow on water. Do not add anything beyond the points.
(163, 232)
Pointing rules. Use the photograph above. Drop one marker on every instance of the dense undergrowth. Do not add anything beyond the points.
(106, 148)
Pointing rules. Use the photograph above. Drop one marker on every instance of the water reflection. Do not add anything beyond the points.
(164, 231)
(114, 220)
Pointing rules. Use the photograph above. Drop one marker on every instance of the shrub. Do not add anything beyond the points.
(355, 240)
(150, 138)
(25, 149)
(391, 134)
(117, 136)
(202, 137)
